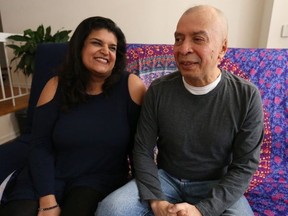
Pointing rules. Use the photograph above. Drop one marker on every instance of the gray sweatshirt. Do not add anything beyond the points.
(216, 136)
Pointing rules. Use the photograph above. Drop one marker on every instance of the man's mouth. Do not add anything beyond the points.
(187, 63)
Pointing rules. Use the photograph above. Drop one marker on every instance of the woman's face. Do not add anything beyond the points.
(99, 53)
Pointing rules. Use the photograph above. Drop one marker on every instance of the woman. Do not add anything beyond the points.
(83, 128)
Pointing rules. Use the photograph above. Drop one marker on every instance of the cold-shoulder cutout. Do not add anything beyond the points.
(48, 91)
(136, 88)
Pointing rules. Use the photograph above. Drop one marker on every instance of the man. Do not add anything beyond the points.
(207, 125)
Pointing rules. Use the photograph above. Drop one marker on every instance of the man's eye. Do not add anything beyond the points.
(199, 40)
(178, 40)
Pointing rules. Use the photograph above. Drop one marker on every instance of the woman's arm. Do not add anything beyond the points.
(137, 91)
(41, 157)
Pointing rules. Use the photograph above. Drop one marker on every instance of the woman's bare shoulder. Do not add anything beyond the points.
(137, 89)
(48, 91)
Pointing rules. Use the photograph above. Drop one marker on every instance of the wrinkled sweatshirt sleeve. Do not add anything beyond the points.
(145, 142)
(41, 158)
(133, 115)
(246, 153)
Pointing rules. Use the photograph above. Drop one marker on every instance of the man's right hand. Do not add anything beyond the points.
(160, 208)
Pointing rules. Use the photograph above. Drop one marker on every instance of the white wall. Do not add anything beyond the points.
(148, 21)
(265, 23)
(279, 18)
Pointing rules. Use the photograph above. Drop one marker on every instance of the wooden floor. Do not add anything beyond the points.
(7, 105)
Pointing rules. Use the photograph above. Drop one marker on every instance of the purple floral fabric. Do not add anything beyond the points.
(268, 70)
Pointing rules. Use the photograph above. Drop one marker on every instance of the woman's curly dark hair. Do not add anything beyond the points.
(74, 77)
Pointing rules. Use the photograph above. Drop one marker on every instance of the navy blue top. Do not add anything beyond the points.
(86, 146)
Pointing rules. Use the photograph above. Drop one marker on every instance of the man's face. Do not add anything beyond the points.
(199, 46)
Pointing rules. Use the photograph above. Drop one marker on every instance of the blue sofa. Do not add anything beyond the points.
(48, 57)
(267, 68)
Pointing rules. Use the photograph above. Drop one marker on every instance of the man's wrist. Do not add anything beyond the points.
(155, 203)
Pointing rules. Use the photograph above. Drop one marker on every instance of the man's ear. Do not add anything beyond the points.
(223, 49)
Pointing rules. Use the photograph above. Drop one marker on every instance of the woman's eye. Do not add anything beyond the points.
(113, 49)
(96, 43)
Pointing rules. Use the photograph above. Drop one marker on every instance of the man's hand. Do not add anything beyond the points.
(184, 209)
(161, 207)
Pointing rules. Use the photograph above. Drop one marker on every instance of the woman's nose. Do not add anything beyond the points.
(105, 49)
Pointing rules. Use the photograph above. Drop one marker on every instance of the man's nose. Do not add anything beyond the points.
(186, 48)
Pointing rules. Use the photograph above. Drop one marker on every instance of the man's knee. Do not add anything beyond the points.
(241, 207)
(120, 201)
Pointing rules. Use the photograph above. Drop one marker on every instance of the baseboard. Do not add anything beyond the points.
(9, 137)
